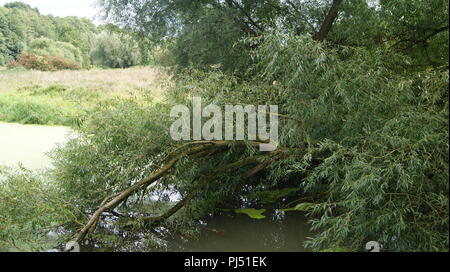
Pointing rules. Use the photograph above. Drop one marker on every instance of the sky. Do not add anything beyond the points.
(81, 8)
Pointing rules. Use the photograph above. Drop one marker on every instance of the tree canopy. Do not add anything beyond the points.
(211, 31)
(23, 27)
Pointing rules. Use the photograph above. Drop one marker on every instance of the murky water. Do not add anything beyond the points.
(225, 232)
(27, 145)
(287, 233)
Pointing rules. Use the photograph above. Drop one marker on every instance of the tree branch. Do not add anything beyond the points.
(232, 3)
(262, 163)
(329, 21)
(423, 40)
(112, 202)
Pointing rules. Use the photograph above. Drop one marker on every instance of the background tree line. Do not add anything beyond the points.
(23, 30)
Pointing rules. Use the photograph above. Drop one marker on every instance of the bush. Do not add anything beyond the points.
(61, 63)
(44, 63)
(30, 61)
(13, 65)
(30, 208)
(48, 47)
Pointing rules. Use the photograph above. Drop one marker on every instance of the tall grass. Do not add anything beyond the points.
(67, 97)
(118, 81)
(33, 107)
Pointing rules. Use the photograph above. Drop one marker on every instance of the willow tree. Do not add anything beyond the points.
(114, 50)
(210, 32)
(363, 131)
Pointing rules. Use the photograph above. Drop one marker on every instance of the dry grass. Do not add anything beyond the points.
(115, 81)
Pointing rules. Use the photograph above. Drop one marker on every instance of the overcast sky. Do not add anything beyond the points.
(81, 8)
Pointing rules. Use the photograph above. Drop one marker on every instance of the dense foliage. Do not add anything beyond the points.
(211, 32)
(24, 30)
(48, 47)
(366, 111)
(115, 50)
(22, 196)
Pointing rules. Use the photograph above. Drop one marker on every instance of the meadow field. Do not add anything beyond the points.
(66, 97)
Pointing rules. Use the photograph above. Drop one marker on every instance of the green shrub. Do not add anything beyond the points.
(115, 50)
(44, 63)
(48, 47)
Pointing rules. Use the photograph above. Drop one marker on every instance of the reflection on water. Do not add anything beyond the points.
(242, 234)
(228, 232)
(225, 231)
(28, 144)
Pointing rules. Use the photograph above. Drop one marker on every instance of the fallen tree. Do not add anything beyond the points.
(187, 150)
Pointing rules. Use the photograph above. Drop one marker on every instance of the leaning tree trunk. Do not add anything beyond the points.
(329, 21)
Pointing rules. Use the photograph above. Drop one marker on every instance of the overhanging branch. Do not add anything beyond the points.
(173, 158)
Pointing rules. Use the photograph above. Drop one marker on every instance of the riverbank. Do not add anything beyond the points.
(38, 113)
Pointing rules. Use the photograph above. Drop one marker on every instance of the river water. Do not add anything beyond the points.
(229, 233)
(27, 145)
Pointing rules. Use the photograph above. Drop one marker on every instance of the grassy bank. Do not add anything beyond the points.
(67, 97)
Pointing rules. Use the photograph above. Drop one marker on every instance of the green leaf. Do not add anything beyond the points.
(252, 213)
(303, 207)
